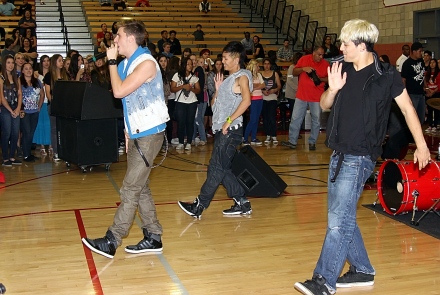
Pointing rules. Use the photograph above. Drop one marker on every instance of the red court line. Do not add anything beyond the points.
(89, 257)
(32, 179)
(54, 211)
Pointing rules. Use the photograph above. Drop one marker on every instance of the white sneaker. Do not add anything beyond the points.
(202, 142)
(179, 146)
(188, 146)
(55, 157)
(274, 140)
(433, 130)
(175, 141)
(197, 140)
(267, 141)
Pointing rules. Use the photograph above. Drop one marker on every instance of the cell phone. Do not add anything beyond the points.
(82, 66)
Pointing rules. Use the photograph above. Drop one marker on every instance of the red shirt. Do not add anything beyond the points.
(147, 4)
(307, 90)
(101, 35)
(434, 83)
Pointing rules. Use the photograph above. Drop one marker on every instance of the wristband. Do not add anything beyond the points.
(112, 62)
(228, 119)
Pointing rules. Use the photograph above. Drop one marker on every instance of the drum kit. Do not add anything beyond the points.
(402, 187)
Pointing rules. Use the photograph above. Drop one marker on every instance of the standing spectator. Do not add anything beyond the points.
(164, 35)
(28, 50)
(107, 42)
(285, 53)
(33, 98)
(256, 103)
(166, 50)
(432, 90)
(56, 72)
(164, 69)
(258, 49)
(25, 6)
(330, 50)
(176, 48)
(413, 75)
(42, 133)
(9, 46)
(19, 62)
(104, 3)
(174, 66)
(202, 100)
(217, 69)
(427, 56)
(27, 22)
(77, 70)
(11, 100)
(403, 57)
(309, 67)
(248, 43)
(292, 85)
(186, 85)
(7, 8)
(270, 94)
(100, 36)
(205, 6)
(119, 3)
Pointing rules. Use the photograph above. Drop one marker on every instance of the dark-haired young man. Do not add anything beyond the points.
(403, 57)
(230, 101)
(176, 49)
(360, 92)
(164, 35)
(138, 82)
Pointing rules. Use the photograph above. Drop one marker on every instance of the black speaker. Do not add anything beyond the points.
(255, 176)
(90, 142)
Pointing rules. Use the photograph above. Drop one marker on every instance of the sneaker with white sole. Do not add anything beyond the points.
(193, 209)
(150, 243)
(175, 141)
(188, 146)
(180, 146)
(267, 141)
(105, 246)
(256, 142)
(315, 286)
(352, 278)
(237, 208)
(274, 140)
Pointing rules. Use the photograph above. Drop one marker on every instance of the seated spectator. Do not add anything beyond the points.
(167, 50)
(205, 6)
(330, 49)
(176, 49)
(77, 70)
(7, 8)
(66, 63)
(115, 28)
(119, 3)
(100, 35)
(9, 46)
(28, 34)
(107, 42)
(104, 3)
(28, 50)
(186, 52)
(152, 49)
(285, 53)
(146, 39)
(25, 6)
(164, 35)
(258, 49)
(248, 43)
(142, 3)
(17, 40)
(384, 58)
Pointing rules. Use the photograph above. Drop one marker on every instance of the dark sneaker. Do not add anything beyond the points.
(194, 209)
(288, 144)
(19, 152)
(245, 142)
(256, 142)
(238, 208)
(147, 244)
(312, 147)
(315, 286)
(7, 163)
(29, 159)
(105, 246)
(354, 279)
(15, 162)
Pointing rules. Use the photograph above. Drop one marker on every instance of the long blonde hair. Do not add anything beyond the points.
(254, 67)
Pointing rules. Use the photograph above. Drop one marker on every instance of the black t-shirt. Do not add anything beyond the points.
(351, 129)
(261, 53)
(414, 73)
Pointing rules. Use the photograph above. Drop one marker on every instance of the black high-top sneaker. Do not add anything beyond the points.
(239, 208)
(193, 209)
(105, 246)
(150, 243)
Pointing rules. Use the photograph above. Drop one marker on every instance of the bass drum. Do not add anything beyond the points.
(397, 181)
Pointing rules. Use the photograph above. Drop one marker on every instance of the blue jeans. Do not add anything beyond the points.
(343, 240)
(28, 124)
(252, 126)
(298, 115)
(219, 169)
(199, 123)
(10, 129)
(418, 101)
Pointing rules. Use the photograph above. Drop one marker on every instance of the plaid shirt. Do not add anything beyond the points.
(284, 54)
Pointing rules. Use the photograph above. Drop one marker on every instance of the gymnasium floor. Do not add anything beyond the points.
(46, 208)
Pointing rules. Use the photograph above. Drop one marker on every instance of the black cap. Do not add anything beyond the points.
(416, 46)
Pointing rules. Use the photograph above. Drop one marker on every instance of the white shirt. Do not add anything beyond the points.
(400, 62)
(182, 97)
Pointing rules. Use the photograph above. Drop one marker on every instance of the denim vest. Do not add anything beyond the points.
(145, 111)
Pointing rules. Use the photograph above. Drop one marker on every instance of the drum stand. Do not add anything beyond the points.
(433, 208)
(415, 195)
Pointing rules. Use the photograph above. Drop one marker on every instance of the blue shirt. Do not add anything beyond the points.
(7, 8)
(31, 98)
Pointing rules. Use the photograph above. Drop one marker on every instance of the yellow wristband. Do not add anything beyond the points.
(228, 119)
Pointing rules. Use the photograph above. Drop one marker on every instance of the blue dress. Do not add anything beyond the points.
(42, 133)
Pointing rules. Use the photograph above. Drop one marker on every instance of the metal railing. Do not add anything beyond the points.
(63, 27)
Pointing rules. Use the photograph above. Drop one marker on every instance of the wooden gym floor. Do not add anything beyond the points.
(46, 208)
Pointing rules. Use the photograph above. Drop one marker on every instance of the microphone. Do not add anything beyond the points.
(95, 58)
(2, 289)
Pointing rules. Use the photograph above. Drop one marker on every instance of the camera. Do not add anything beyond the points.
(82, 66)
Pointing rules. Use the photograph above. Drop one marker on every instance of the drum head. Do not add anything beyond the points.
(392, 187)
